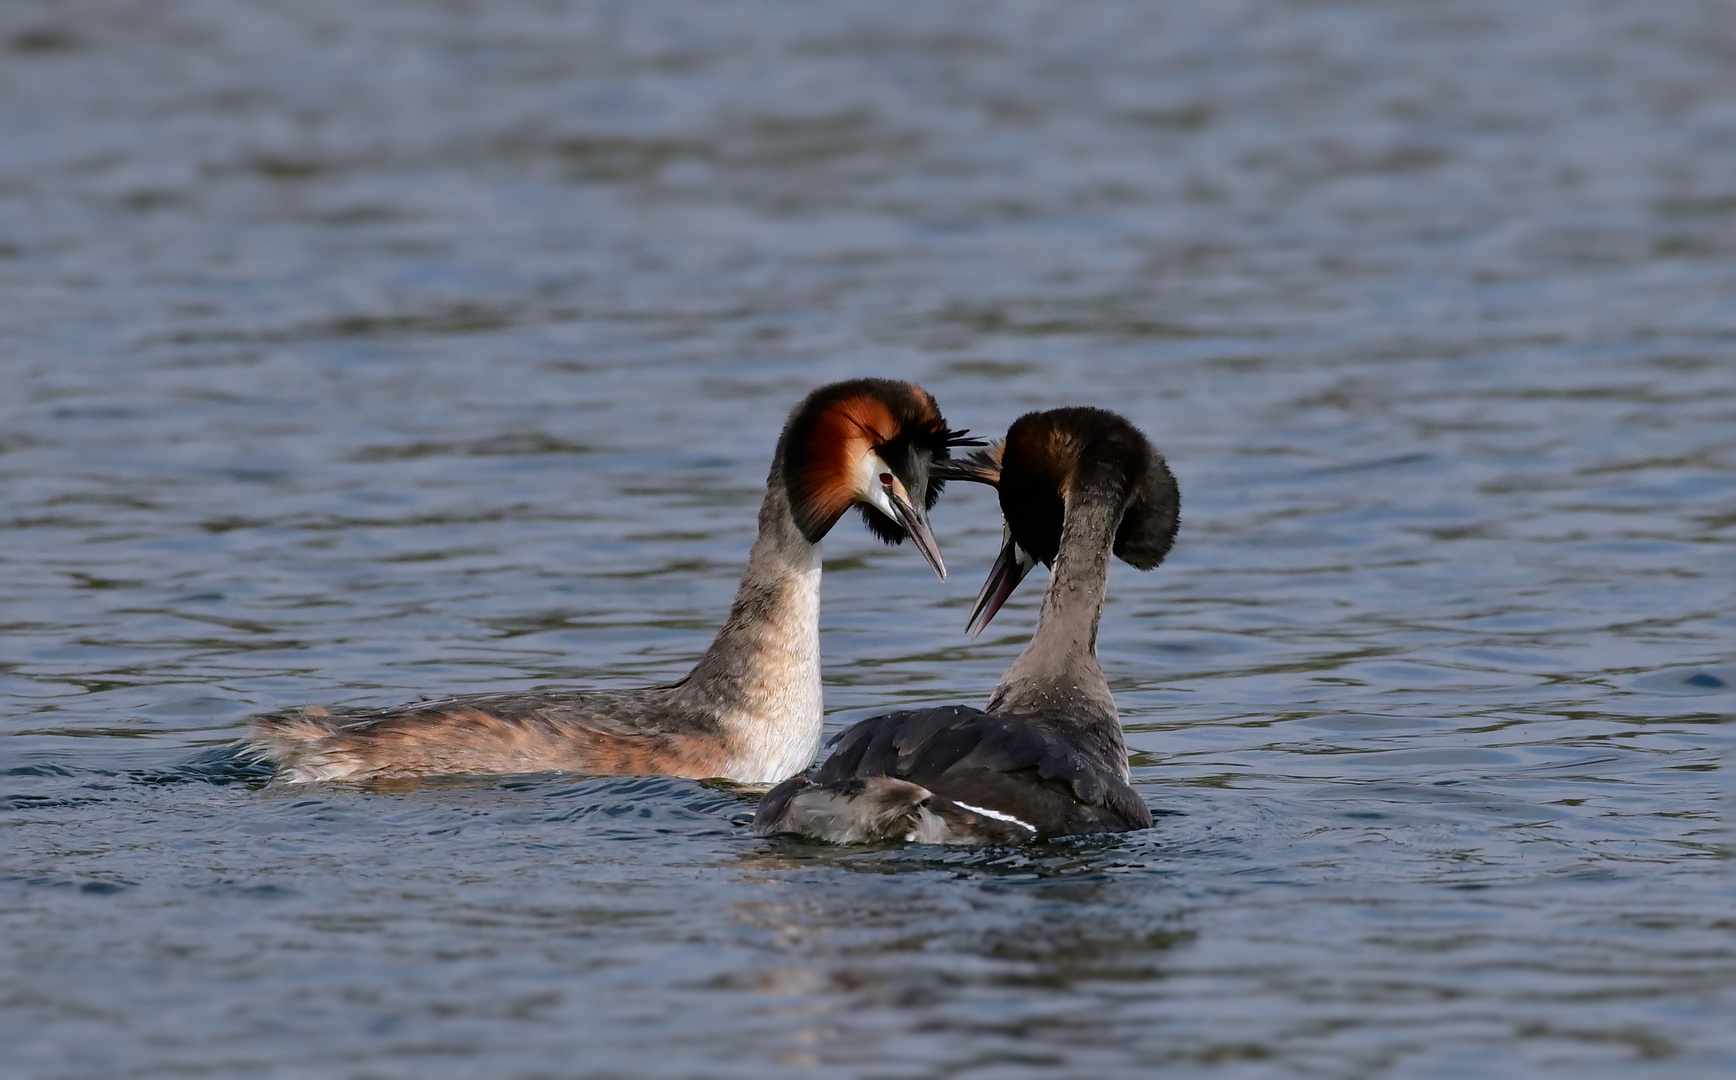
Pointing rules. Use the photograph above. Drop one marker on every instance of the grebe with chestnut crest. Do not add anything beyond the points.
(749, 711)
(1047, 757)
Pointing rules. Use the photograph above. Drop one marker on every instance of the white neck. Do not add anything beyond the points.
(761, 677)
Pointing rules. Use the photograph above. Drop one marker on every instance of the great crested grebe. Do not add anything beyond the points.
(749, 711)
(1047, 757)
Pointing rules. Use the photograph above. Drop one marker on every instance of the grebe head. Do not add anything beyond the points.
(1047, 456)
(873, 444)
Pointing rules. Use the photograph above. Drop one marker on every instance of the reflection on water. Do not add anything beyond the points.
(355, 354)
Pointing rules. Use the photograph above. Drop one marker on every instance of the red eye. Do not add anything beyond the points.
(886, 478)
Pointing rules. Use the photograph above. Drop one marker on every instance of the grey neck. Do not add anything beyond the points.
(1057, 676)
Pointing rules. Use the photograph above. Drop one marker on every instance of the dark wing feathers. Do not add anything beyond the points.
(1014, 765)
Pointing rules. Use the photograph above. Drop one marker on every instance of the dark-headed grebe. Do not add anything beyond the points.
(1047, 758)
(749, 711)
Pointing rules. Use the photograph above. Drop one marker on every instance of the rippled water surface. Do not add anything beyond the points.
(361, 352)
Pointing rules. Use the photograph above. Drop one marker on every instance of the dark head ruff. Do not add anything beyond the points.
(1076, 457)
(1048, 455)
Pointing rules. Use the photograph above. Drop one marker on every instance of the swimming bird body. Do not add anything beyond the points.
(750, 710)
(1046, 758)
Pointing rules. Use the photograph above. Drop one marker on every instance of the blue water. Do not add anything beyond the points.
(357, 353)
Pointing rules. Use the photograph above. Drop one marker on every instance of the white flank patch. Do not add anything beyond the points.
(997, 815)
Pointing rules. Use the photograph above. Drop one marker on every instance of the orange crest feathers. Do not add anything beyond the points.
(821, 470)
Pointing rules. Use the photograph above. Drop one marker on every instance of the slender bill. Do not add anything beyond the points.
(915, 522)
(1009, 569)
